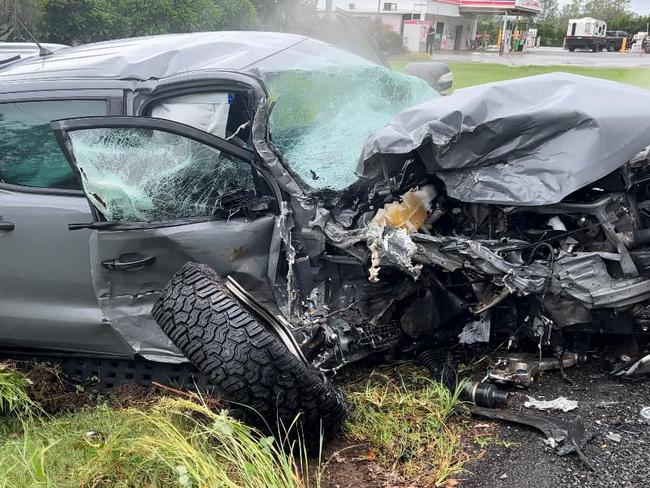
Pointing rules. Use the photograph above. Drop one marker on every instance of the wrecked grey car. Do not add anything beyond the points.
(271, 208)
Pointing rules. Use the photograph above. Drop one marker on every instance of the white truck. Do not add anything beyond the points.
(586, 33)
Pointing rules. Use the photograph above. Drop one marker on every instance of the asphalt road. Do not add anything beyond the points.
(610, 410)
(546, 56)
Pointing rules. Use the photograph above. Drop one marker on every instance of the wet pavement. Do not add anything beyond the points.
(611, 410)
(547, 56)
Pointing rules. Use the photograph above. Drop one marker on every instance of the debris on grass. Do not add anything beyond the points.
(405, 417)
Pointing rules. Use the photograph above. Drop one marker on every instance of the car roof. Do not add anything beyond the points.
(154, 57)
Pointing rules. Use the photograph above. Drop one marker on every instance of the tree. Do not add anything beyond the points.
(550, 24)
(630, 23)
(551, 10)
(287, 15)
(82, 21)
(573, 9)
(14, 14)
(607, 10)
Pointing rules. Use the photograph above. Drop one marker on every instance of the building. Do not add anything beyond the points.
(454, 20)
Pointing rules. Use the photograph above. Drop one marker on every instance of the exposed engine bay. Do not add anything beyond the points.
(560, 276)
(406, 266)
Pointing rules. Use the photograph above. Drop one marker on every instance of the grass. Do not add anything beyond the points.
(405, 417)
(14, 398)
(177, 442)
(400, 413)
(471, 74)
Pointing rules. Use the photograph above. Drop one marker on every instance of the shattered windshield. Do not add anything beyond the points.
(323, 115)
(142, 175)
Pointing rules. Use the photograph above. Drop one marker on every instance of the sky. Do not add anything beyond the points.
(639, 6)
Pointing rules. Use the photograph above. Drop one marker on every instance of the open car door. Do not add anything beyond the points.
(162, 194)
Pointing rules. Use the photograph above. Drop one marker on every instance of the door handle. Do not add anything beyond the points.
(7, 225)
(129, 261)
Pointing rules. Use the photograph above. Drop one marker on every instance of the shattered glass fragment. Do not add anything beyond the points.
(323, 115)
(142, 175)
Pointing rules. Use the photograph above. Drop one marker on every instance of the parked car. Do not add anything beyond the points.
(615, 40)
(270, 209)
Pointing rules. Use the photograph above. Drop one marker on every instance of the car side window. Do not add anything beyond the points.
(29, 153)
(147, 175)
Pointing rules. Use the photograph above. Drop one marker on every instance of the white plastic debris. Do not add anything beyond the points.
(556, 223)
(612, 436)
(560, 403)
(550, 442)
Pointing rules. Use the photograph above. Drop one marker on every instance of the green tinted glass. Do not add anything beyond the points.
(29, 153)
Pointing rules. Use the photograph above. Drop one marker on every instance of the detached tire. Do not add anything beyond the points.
(246, 362)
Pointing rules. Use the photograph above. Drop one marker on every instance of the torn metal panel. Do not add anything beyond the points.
(640, 366)
(268, 154)
(391, 247)
(584, 277)
(567, 436)
(530, 141)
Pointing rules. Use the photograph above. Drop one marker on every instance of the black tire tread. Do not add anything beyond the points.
(242, 358)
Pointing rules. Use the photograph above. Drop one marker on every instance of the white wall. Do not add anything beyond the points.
(449, 32)
(440, 8)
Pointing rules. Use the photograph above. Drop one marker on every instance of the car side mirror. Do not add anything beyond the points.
(437, 75)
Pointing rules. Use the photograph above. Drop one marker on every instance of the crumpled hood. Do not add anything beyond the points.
(530, 141)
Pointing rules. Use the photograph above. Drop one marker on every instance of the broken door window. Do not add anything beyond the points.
(324, 113)
(144, 175)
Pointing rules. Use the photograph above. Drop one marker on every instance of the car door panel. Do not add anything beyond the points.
(132, 260)
(47, 300)
(238, 247)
